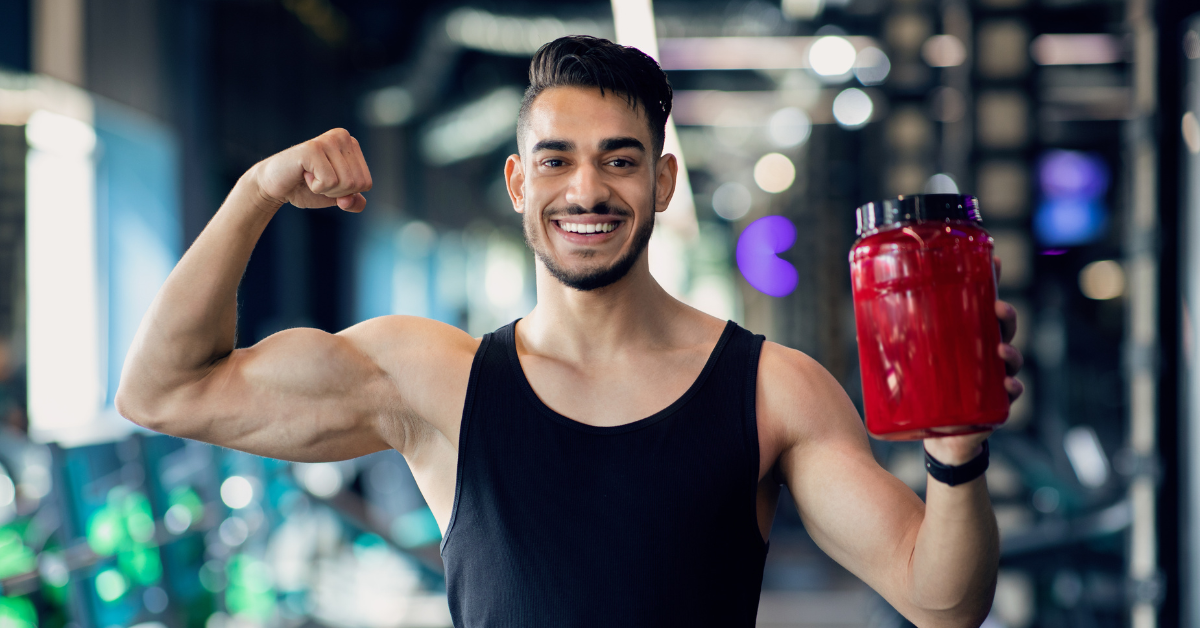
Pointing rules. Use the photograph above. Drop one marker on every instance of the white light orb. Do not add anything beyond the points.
(732, 200)
(233, 531)
(831, 56)
(1102, 280)
(8, 492)
(178, 519)
(872, 66)
(852, 108)
(323, 479)
(774, 173)
(237, 492)
(788, 127)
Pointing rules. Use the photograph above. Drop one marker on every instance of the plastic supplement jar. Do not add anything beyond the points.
(924, 303)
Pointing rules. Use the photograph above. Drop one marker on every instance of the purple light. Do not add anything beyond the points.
(1073, 175)
(1053, 252)
(757, 255)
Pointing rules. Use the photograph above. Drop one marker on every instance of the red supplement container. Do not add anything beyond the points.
(924, 302)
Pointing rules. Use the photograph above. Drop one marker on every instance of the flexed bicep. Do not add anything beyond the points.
(300, 394)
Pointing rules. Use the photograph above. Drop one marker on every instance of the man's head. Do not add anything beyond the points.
(591, 62)
(589, 178)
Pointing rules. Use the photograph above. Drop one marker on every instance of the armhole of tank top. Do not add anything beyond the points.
(463, 428)
(751, 419)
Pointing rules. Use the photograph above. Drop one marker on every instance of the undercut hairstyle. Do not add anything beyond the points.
(583, 61)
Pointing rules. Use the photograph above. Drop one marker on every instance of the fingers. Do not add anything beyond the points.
(319, 173)
(1013, 360)
(1008, 320)
(1013, 387)
(337, 166)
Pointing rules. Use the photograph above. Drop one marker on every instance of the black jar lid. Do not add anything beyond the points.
(885, 214)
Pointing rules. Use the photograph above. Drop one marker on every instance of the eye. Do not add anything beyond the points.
(620, 162)
(552, 163)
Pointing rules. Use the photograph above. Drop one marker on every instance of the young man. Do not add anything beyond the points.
(614, 457)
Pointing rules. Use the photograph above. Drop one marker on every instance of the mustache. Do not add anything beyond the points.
(603, 209)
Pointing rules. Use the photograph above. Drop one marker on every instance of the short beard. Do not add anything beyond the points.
(595, 278)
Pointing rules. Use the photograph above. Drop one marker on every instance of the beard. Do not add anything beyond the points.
(589, 279)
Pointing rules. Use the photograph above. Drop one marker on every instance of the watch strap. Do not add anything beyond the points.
(953, 475)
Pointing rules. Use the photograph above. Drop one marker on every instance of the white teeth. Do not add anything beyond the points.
(575, 227)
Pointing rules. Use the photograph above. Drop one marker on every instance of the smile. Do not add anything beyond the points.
(578, 227)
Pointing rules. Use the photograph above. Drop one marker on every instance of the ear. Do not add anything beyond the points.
(666, 170)
(514, 179)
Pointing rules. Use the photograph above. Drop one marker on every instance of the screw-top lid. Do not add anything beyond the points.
(885, 214)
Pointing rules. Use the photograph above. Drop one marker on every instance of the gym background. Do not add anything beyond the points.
(124, 122)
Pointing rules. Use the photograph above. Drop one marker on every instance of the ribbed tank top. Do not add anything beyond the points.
(653, 523)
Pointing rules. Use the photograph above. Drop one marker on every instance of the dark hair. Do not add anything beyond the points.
(583, 61)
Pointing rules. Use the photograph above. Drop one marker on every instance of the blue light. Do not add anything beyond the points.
(1069, 222)
(1072, 211)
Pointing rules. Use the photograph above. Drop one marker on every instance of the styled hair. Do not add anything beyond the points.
(583, 61)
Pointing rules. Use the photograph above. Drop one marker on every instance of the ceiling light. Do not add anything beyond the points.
(832, 56)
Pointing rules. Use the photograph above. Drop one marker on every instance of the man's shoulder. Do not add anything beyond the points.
(799, 399)
(412, 347)
(398, 331)
(428, 361)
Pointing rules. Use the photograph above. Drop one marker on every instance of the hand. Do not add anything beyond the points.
(1012, 358)
(324, 171)
(956, 450)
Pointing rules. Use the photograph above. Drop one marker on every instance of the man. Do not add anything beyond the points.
(614, 457)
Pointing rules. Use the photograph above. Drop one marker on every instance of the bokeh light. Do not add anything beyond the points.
(177, 519)
(731, 200)
(1069, 222)
(831, 56)
(757, 255)
(8, 492)
(1073, 174)
(944, 51)
(774, 173)
(237, 492)
(852, 108)
(1072, 211)
(323, 479)
(1102, 280)
(872, 66)
(788, 127)
(111, 585)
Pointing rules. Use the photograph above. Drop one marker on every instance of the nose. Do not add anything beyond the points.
(587, 188)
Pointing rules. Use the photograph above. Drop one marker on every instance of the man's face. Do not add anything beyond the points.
(588, 185)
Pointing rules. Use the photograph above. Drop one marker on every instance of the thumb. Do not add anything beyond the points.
(352, 203)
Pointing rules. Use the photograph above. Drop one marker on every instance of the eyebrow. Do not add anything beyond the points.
(617, 143)
(609, 144)
(557, 145)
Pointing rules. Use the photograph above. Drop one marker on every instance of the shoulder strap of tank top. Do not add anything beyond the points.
(751, 345)
(464, 427)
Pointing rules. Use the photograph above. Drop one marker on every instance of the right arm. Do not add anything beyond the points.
(300, 394)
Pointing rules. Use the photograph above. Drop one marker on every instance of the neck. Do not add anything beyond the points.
(634, 311)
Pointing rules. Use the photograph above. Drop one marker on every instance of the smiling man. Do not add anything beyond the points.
(613, 458)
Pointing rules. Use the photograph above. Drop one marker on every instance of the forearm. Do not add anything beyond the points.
(956, 554)
(192, 321)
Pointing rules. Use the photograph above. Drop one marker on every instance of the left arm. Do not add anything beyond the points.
(935, 562)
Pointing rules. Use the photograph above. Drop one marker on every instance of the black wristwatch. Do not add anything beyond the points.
(960, 474)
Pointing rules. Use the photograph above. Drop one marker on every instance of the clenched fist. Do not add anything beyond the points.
(324, 171)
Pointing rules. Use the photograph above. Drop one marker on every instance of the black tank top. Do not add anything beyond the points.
(653, 523)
